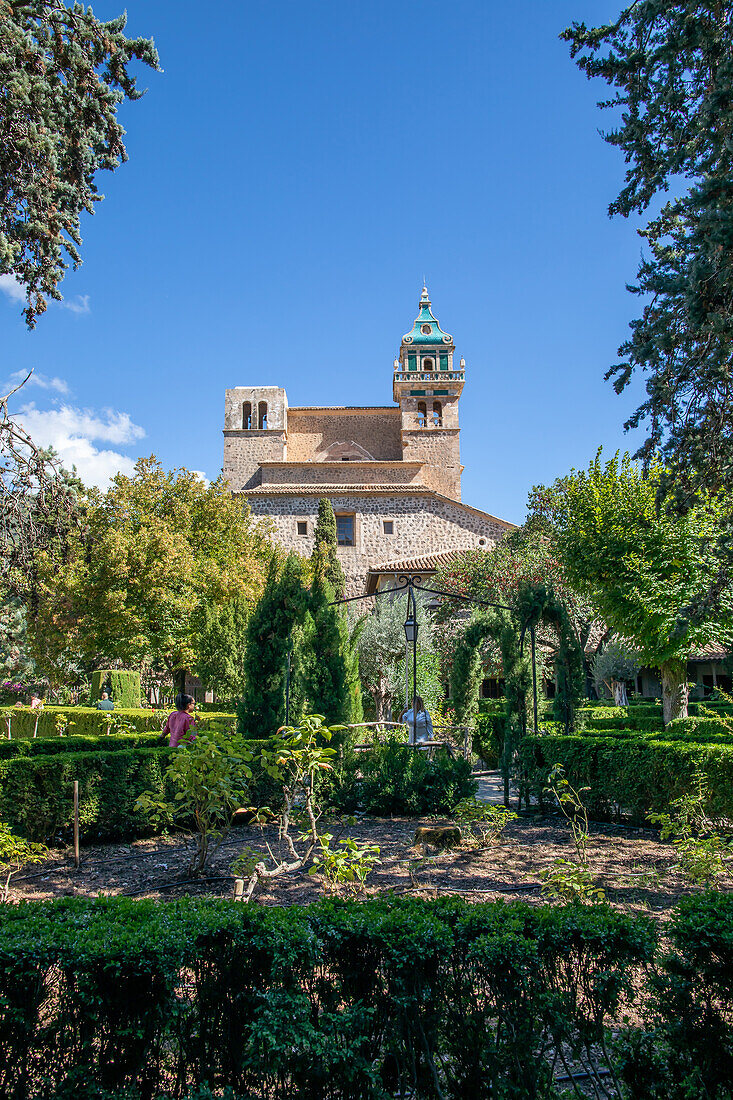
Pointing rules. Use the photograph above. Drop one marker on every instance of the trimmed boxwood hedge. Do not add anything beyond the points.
(36, 790)
(365, 1001)
(629, 775)
(89, 722)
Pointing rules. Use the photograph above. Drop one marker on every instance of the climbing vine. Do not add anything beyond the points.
(507, 628)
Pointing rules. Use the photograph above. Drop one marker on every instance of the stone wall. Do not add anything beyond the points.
(422, 524)
(243, 453)
(439, 449)
(311, 431)
(342, 473)
(274, 397)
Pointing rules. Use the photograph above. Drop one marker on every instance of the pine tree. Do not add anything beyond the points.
(270, 632)
(325, 547)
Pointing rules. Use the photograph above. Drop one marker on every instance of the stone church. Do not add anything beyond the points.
(392, 472)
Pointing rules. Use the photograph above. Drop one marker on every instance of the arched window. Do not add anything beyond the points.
(422, 414)
(262, 415)
(437, 414)
(247, 415)
(427, 364)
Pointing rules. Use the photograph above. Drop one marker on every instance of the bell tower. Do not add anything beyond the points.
(427, 387)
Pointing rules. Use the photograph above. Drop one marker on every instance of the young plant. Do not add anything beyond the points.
(15, 854)
(295, 763)
(210, 777)
(348, 865)
(481, 822)
(702, 853)
(7, 719)
(62, 723)
(570, 880)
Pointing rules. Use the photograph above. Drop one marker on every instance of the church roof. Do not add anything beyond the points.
(426, 331)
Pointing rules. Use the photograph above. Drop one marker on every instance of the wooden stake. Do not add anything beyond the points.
(238, 889)
(76, 822)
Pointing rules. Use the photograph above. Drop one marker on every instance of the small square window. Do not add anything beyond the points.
(302, 527)
(388, 525)
(345, 530)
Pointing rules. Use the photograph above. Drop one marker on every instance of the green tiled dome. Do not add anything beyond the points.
(426, 331)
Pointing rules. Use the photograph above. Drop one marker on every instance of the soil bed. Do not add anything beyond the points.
(632, 865)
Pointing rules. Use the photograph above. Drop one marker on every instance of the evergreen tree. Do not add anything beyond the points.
(325, 547)
(271, 631)
(326, 668)
(63, 76)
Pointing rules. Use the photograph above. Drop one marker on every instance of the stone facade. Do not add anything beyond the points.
(392, 473)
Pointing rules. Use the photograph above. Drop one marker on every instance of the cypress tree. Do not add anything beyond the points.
(327, 673)
(325, 544)
(270, 632)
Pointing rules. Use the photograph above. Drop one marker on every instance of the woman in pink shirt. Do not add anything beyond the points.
(179, 723)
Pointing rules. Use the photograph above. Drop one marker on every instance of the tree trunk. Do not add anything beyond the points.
(620, 697)
(674, 689)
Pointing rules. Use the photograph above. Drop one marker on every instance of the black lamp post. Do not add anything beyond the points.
(411, 629)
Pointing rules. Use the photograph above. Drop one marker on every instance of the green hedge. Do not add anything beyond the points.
(36, 792)
(123, 687)
(89, 722)
(338, 1000)
(37, 789)
(44, 746)
(629, 775)
(362, 1001)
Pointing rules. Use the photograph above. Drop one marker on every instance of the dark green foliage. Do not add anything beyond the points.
(686, 1050)
(326, 672)
(631, 773)
(269, 634)
(325, 544)
(36, 788)
(360, 1001)
(63, 76)
(670, 65)
(122, 687)
(392, 778)
(36, 792)
(49, 746)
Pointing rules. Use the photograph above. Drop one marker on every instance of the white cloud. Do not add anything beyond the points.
(80, 304)
(9, 285)
(15, 291)
(73, 433)
(202, 475)
(37, 379)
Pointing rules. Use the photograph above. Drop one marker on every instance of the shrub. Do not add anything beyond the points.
(123, 687)
(90, 722)
(686, 1048)
(631, 774)
(360, 1000)
(393, 778)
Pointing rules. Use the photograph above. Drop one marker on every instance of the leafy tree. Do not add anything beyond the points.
(209, 779)
(16, 663)
(325, 543)
(637, 565)
(270, 634)
(222, 647)
(159, 547)
(63, 76)
(612, 666)
(326, 672)
(671, 67)
(381, 643)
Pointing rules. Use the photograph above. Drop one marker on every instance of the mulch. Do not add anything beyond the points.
(632, 865)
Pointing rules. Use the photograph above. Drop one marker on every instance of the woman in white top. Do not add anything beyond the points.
(419, 722)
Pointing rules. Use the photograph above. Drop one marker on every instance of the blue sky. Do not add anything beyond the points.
(293, 174)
